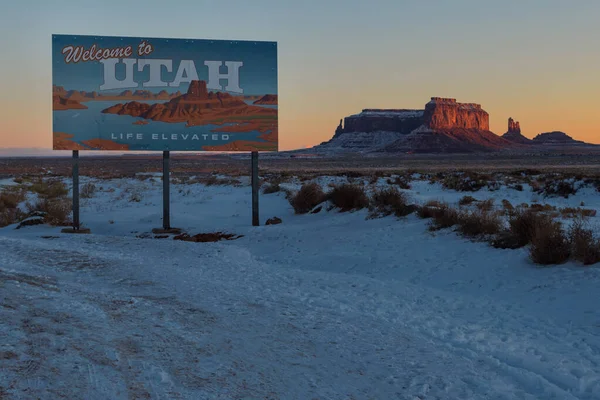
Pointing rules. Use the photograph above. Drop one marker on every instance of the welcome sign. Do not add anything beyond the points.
(139, 94)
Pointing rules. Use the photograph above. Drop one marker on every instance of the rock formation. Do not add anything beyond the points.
(198, 89)
(513, 133)
(59, 90)
(60, 103)
(439, 113)
(267, 99)
(444, 125)
(179, 109)
(339, 130)
(63, 141)
(513, 126)
(453, 140)
(390, 120)
(83, 96)
(446, 113)
(200, 107)
(556, 138)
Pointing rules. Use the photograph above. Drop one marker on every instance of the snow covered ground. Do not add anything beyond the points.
(322, 306)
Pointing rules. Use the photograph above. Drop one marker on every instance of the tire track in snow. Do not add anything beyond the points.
(416, 302)
(451, 322)
(415, 314)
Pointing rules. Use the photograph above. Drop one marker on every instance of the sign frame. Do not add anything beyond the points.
(126, 93)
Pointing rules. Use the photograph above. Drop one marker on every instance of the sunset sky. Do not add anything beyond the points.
(536, 61)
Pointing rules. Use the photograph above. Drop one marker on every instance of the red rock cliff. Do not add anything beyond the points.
(446, 113)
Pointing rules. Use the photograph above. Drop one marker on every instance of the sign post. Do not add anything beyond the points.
(76, 226)
(125, 94)
(166, 218)
(255, 220)
(76, 190)
(166, 194)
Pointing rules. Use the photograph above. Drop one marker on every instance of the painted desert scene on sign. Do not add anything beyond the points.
(142, 120)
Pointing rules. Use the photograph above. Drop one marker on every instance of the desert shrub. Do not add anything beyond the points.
(88, 190)
(575, 212)
(271, 188)
(493, 185)
(50, 189)
(536, 186)
(478, 223)
(558, 188)
(595, 182)
(308, 197)
(549, 244)
(430, 209)
(524, 223)
(463, 183)
(466, 200)
(525, 172)
(10, 200)
(443, 217)
(213, 180)
(542, 207)
(401, 181)
(585, 247)
(348, 197)
(507, 205)
(56, 210)
(350, 174)
(389, 201)
(9, 216)
(486, 205)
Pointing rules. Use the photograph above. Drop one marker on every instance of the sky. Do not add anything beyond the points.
(536, 61)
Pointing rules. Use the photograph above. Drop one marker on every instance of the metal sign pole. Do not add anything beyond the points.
(76, 228)
(75, 190)
(166, 197)
(255, 220)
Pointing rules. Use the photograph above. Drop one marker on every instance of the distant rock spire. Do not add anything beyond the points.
(513, 126)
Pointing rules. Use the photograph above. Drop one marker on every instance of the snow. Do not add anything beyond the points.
(7, 182)
(322, 306)
(361, 141)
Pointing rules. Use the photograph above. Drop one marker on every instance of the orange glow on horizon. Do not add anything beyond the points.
(23, 128)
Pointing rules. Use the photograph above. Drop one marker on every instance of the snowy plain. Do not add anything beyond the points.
(323, 306)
